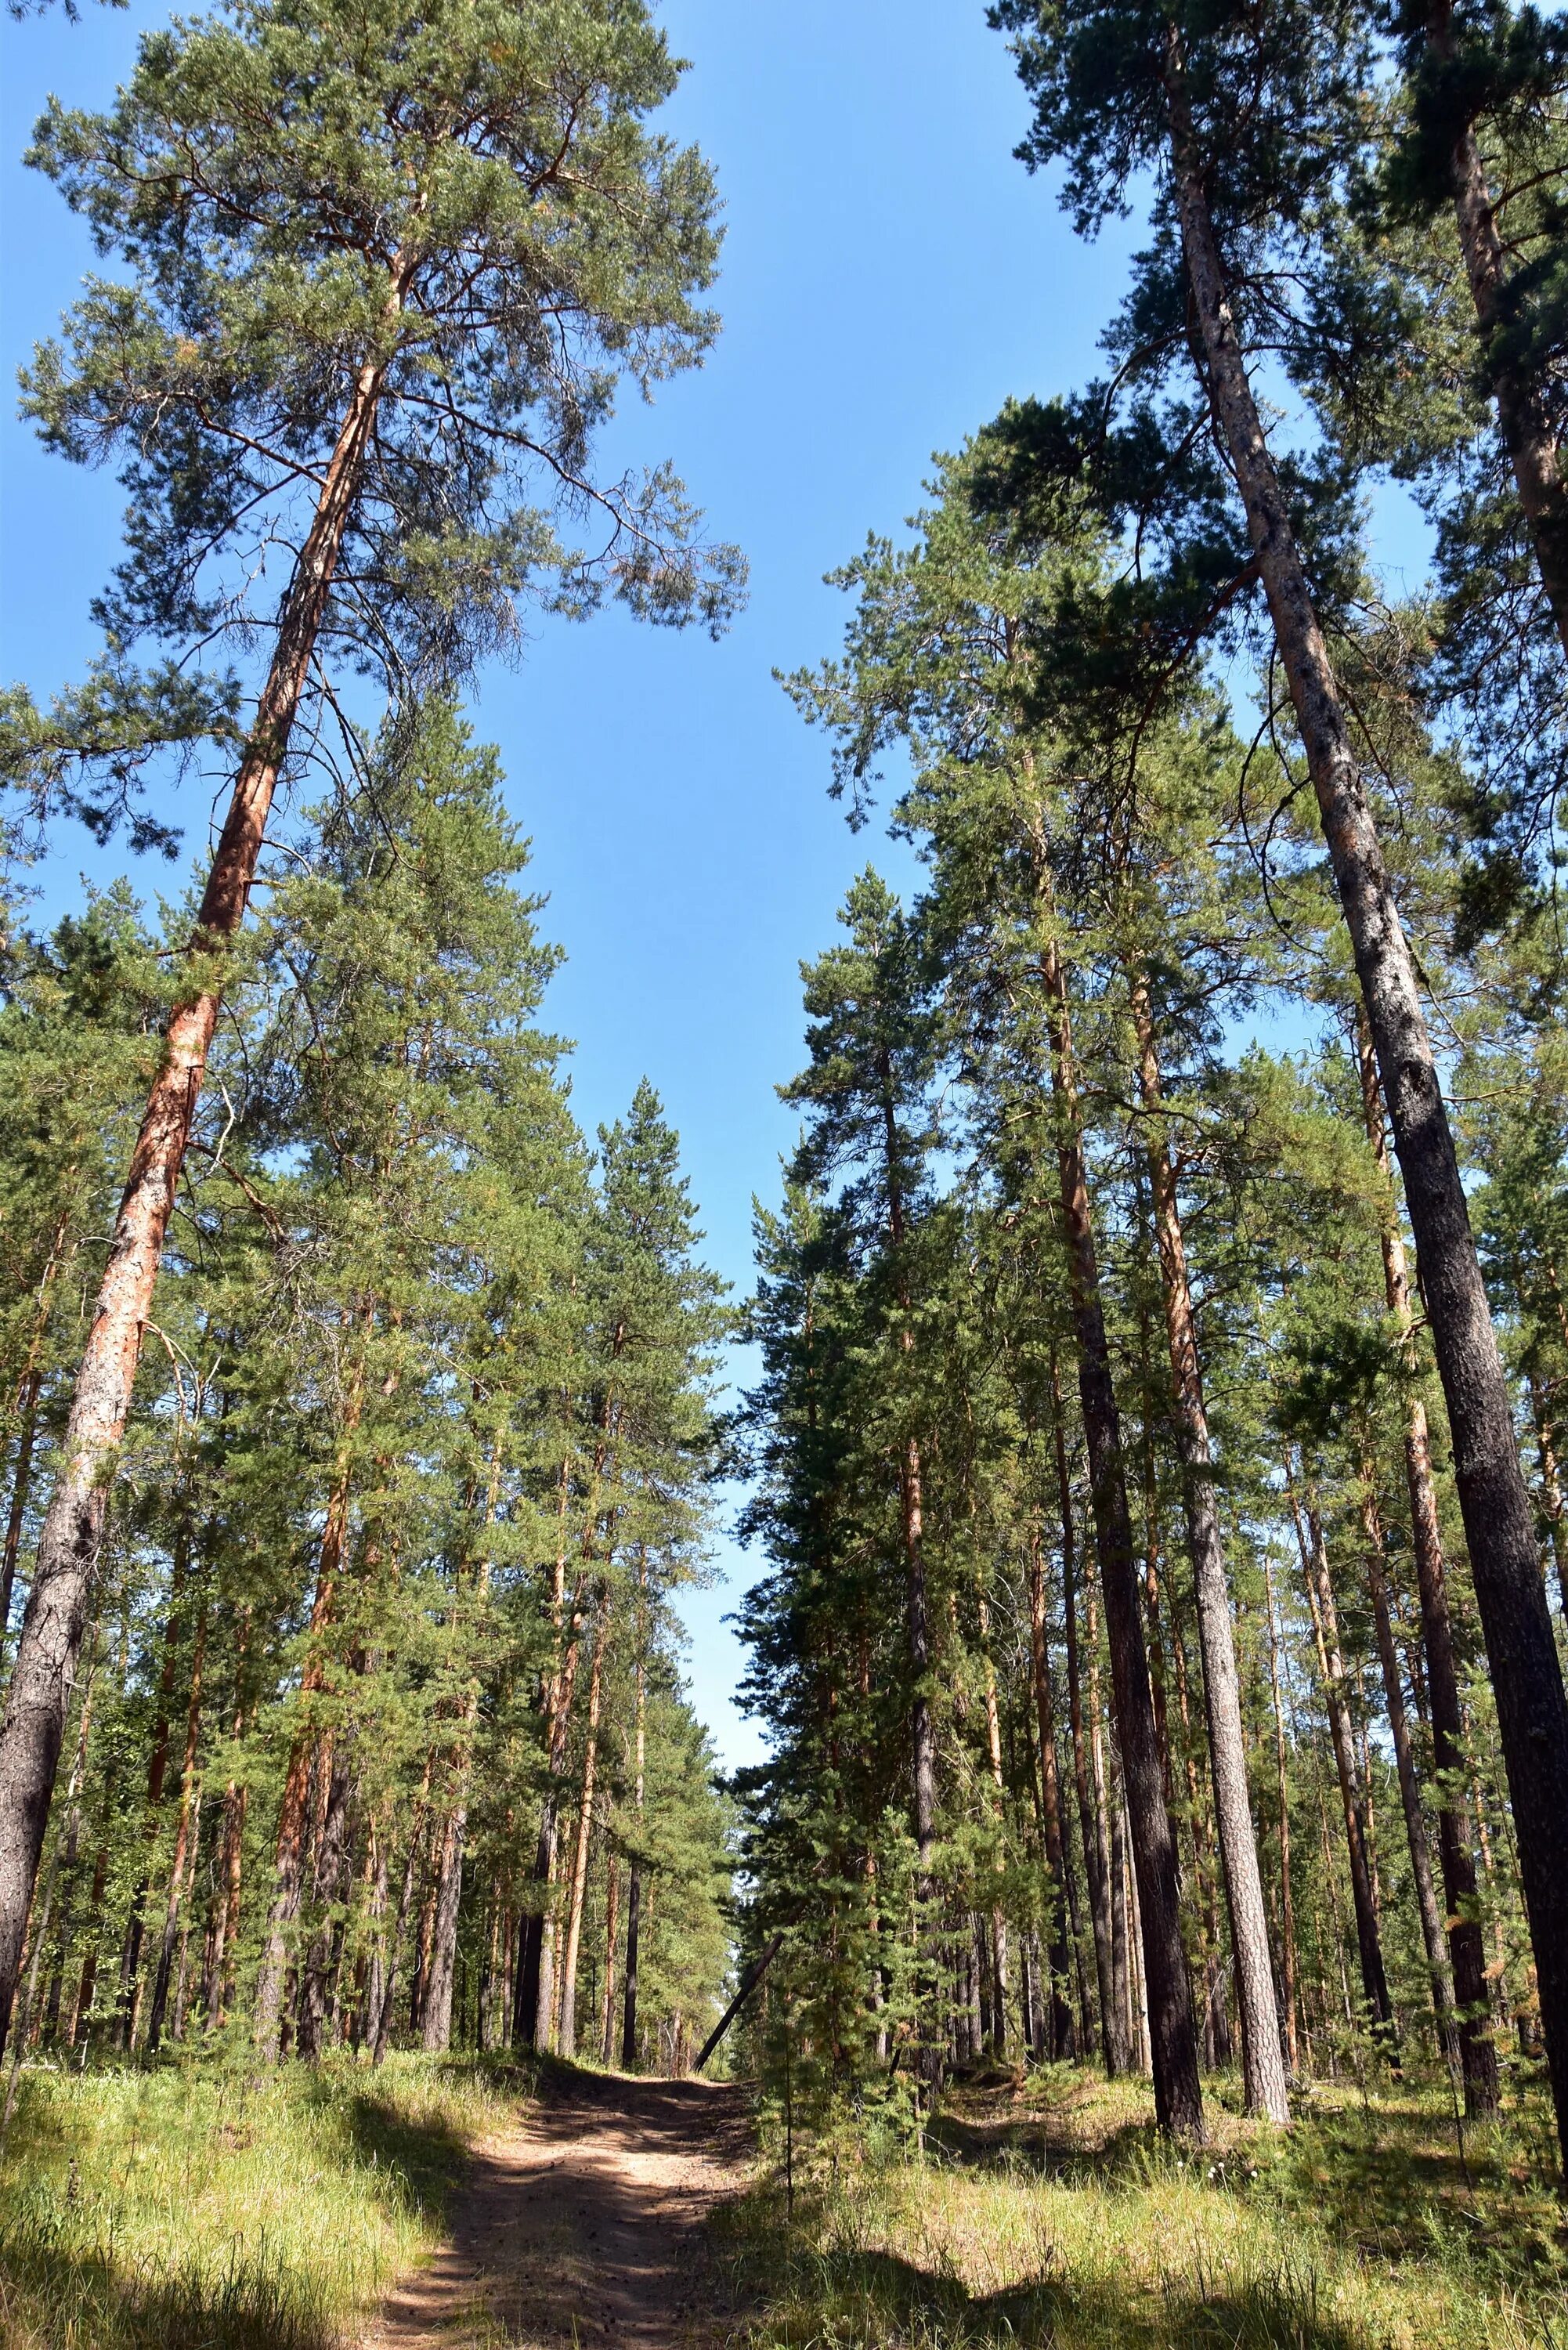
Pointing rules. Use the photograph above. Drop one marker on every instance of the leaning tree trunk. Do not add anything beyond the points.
(72, 1537)
(1533, 1713)
(1467, 1951)
(1262, 2059)
(1524, 418)
(1177, 2095)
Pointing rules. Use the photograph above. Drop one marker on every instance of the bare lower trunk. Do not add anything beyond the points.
(1467, 1953)
(1089, 1815)
(567, 2042)
(1331, 1665)
(1287, 1902)
(1550, 1488)
(27, 1416)
(998, 1951)
(182, 1834)
(1441, 1982)
(634, 1887)
(1059, 2043)
(1533, 1714)
(1263, 2061)
(437, 2022)
(1179, 2098)
(72, 1536)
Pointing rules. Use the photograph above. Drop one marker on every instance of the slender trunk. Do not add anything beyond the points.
(1121, 1964)
(1533, 1713)
(157, 1771)
(27, 1415)
(1089, 1814)
(182, 1834)
(566, 2043)
(304, 1757)
(381, 2022)
(1441, 1982)
(1178, 2097)
(1060, 2038)
(612, 1922)
(998, 1950)
(72, 1536)
(1262, 2064)
(41, 1922)
(1287, 1902)
(634, 1886)
(1467, 1952)
(449, 1890)
(1331, 1665)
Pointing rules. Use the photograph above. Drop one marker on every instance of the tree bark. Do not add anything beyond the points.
(1331, 1664)
(1096, 1868)
(1059, 2043)
(71, 1541)
(1178, 2097)
(27, 1395)
(634, 1886)
(306, 1755)
(567, 2042)
(1467, 1951)
(1533, 1713)
(1437, 1972)
(181, 1839)
(1287, 1902)
(1263, 2061)
(1551, 1488)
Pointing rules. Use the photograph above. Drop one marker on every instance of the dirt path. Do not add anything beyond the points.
(583, 2224)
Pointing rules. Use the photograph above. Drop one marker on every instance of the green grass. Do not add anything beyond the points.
(1048, 2214)
(183, 2211)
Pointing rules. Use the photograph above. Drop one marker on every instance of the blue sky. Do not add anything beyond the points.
(890, 276)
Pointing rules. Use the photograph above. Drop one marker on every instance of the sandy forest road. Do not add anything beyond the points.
(583, 2223)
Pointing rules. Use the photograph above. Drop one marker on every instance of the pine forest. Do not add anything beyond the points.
(995, 1770)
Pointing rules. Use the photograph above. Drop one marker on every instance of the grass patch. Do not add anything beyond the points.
(177, 2209)
(1048, 2213)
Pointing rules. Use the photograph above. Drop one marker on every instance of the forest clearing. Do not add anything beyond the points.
(1087, 1282)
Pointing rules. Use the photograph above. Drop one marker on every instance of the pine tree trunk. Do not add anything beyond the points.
(382, 2021)
(1262, 2064)
(304, 1757)
(612, 1925)
(72, 1536)
(1533, 1713)
(566, 2043)
(1331, 1665)
(183, 1837)
(1522, 415)
(1440, 1979)
(1467, 1953)
(1059, 2043)
(998, 1950)
(634, 1886)
(1096, 1870)
(31, 1387)
(1287, 1902)
(157, 1771)
(448, 1891)
(1179, 2098)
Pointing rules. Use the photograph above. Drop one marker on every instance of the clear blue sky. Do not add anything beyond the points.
(890, 276)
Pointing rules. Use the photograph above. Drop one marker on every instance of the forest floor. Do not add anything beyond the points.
(583, 2221)
(438, 2204)
(1044, 2211)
